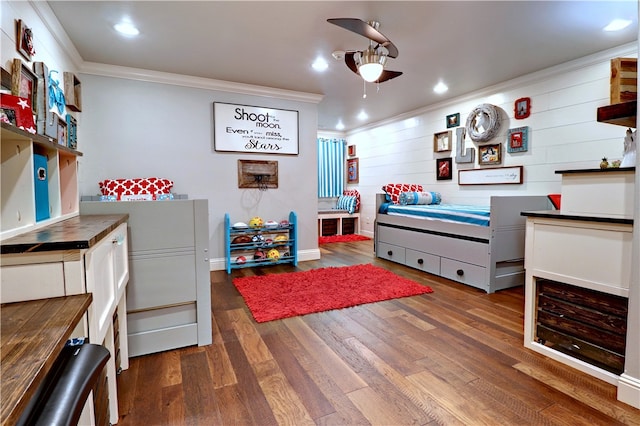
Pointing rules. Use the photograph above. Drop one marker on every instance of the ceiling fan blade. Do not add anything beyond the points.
(358, 26)
(350, 60)
(388, 75)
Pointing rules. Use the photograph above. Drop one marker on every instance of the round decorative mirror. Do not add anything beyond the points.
(483, 123)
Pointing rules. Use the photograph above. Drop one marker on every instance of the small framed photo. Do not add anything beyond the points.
(352, 170)
(24, 40)
(62, 132)
(351, 150)
(490, 154)
(443, 168)
(24, 83)
(72, 129)
(518, 139)
(453, 120)
(522, 108)
(8, 115)
(442, 141)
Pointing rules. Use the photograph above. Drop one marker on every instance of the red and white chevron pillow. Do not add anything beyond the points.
(137, 186)
(393, 190)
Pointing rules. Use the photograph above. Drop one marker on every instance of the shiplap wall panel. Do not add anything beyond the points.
(563, 134)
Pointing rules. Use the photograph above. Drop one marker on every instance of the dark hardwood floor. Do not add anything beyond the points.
(453, 357)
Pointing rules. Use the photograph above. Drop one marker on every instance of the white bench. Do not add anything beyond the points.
(339, 216)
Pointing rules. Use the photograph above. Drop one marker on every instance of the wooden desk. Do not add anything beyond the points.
(32, 334)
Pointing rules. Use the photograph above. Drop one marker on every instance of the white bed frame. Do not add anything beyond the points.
(490, 258)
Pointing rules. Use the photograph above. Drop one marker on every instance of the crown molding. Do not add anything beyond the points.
(195, 82)
(50, 21)
(626, 50)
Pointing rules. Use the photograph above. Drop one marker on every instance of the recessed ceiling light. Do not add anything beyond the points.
(340, 125)
(320, 64)
(126, 28)
(363, 115)
(440, 88)
(617, 25)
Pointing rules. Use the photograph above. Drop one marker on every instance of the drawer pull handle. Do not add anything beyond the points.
(574, 346)
(420, 261)
(460, 272)
(390, 253)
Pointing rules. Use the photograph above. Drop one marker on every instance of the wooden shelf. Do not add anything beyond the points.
(622, 114)
(37, 139)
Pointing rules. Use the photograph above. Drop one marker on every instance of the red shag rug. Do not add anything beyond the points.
(277, 296)
(341, 238)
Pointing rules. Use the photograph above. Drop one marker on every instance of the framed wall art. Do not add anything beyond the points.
(353, 167)
(453, 120)
(351, 150)
(443, 168)
(522, 108)
(72, 91)
(24, 40)
(72, 132)
(442, 141)
(518, 139)
(254, 129)
(24, 83)
(62, 132)
(490, 154)
(491, 176)
(8, 115)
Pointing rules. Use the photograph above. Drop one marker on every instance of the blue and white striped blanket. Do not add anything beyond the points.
(475, 215)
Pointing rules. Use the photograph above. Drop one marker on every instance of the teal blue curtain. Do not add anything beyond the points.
(331, 167)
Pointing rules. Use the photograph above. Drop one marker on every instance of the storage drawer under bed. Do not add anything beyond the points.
(458, 247)
(465, 273)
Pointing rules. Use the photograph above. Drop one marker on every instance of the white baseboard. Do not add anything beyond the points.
(629, 390)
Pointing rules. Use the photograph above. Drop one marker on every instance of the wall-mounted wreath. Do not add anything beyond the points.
(483, 123)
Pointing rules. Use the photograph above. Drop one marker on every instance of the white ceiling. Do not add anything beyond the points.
(469, 45)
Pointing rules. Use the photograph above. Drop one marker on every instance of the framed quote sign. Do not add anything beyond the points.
(244, 128)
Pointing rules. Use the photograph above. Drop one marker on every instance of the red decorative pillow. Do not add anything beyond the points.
(137, 186)
(355, 193)
(393, 190)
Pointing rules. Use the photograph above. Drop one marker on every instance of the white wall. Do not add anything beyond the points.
(138, 128)
(563, 134)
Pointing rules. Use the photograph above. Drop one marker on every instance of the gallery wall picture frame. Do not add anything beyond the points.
(353, 170)
(8, 115)
(6, 80)
(24, 82)
(72, 132)
(351, 150)
(518, 139)
(522, 108)
(72, 91)
(490, 154)
(453, 120)
(512, 175)
(24, 40)
(442, 141)
(62, 132)
(444, 168)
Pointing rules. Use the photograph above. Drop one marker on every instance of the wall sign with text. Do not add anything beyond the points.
(243, 128)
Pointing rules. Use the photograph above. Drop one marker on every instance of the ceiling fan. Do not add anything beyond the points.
(369, 63)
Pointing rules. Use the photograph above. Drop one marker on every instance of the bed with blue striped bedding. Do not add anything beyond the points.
(457, 213)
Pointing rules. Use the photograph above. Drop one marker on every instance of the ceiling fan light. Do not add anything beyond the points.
(370, 72)
(371, 64)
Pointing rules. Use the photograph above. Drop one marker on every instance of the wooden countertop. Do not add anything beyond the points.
(32, 334)
(79, 232)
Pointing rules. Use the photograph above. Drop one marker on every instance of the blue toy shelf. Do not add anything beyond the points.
(262, 240)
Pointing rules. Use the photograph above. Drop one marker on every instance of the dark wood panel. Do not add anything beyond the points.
(453, 357)
(582, 349)
(574, 327)
(596, 300)
(612, 323)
